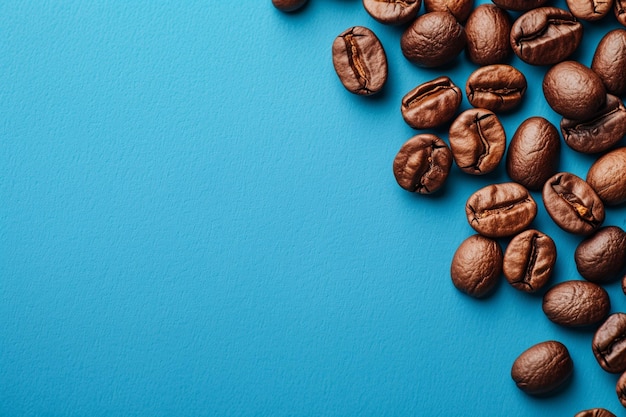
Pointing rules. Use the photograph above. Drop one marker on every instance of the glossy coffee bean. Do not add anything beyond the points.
(589, 10)
(595, 412)
(392, 12)
(609, 61)
(602, 256)
(460, 9)
(476, 266)
(609, 344)
(519, 5)
(529, 260)
(500, 210)
(288, 5)
(431, 104)
(619, 8)
(488, 29)
(576, 304)
(545, 36)
(542, 368)
(498, 87)
(422, 164)
(572, 204)
(573, 90)
(433, 39)
(607, 176)
(360, 61)
(620, 389)
(477, 140)
(533, 154)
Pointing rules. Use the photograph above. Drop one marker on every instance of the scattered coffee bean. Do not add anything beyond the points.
(431, 104)
(360, 61)
(589, 9)
(607, 176)
(620, 389)
(572, 204)
(422, 164)
(602, 256)
(609, 61)
(488, 29)
(476, 266)
(542, 368)
(529, 260)
(500, 210)
(392, 12)
(288, 5)
(576, 304)
(460, 9)
(609, 344)
(498, 87)
(620, 11)
(595, 412)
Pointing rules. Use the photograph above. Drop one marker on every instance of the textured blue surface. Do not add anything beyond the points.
(197, 219)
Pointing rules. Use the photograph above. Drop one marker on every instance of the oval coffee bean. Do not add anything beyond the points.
(500, 210)
(572, 204)
(609, 61)
(529, 260)
(620, 11)
(422, 164)
(433, 39)
(609, 344)
(607, 176)
(576, 304)
(545, 36)
(602, 256)
(360, 61)
(589, 9)
(488, 29)
(476, 266)
(573, 90)
(542, 368)
(496, 87)
(477, 140)
(392, 12)
(288, 5)
(620, 389)
(431, 104)
(460, 9)
(533, 154)
(600, 132)
(595, 412)
(519, 5)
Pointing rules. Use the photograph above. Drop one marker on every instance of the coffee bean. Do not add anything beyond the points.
(609, 61)
(620, 11)
(545, 35)
(460, 9)
(422, 164)
(392, 12)
(519, 5)
(542, 368)
(433, 39)
(477, 140)
(488, 29)
(620, 389)
(595, 412)
(599, 132)
(576, 304)
(533, 154)
(288, 5)
(607, 176)
(431, 104)
(609, 344)
(573, 90)
(360, 61)
(602, 256)
(476, 266)
(496, 87)
(589, 9)
(529, 260)
(572, 204)
(500, 210)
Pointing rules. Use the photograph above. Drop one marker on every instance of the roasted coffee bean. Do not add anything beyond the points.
(477, 140)
(573, 90)
(572, 204)
(500, 210)
(460, 9)
(589, 9)
(497, 87)
(519, 5)
(360, 61)
(595, 412)
(422, 164)
(476, 266)
(288, 5)
(609, 344)
(602, 256)
(545, 36)
(609, 61)
(392, 12)
(431, 104)
(620, 389)
(576, 304)
(529, 260)
(488, 29)
(620, 11)
(542, 368)
(533, 154)
(433, 39)
(607, 176)
(598, 133)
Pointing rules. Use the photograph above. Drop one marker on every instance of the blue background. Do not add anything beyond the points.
(197, 219)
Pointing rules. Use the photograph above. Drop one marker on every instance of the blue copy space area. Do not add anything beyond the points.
(197, 219)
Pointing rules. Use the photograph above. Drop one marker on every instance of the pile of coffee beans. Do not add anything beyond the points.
(593, 122)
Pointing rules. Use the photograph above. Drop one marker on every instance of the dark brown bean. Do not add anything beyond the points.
(392, 12)
(576, 304)
(620, 11)
(609, 61)
(288, 5)
(500, 210)
(595, 412)
(460, 9)
(589, 9)
(533, 154)
(542, 368)
(431, 104)
(529, 260)
(476, 266)
(609, 344)
(607, 176)
(422, 164)
(360, 61)
(602, 256)
(496, 87)
(519, 5)
(620, 389)
(488, 29)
